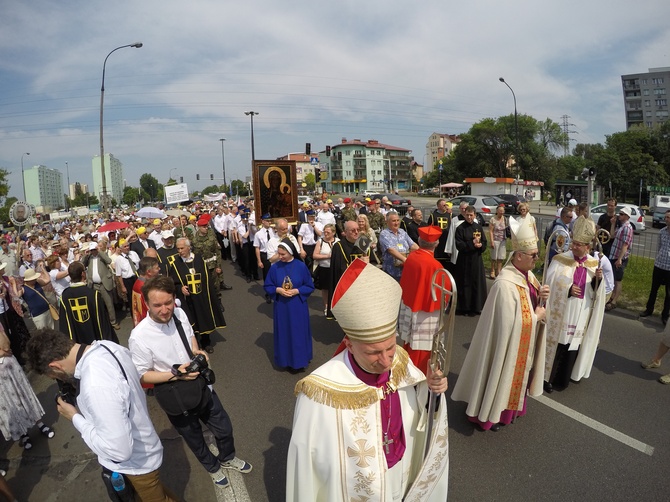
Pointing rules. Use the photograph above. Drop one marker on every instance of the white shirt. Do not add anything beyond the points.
(59, 284)
(261, 238)
(156, 237)
(273, 245)
(220, 223)
(156, 346)
(122, 267)
(308, 234)
(114, 419)
(325, 217)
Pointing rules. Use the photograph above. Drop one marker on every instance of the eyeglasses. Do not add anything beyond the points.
(534, 256)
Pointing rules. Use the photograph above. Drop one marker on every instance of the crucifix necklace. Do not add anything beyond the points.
(386, 442)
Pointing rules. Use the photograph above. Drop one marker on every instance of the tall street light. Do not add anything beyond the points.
(516, 127)
(23, 177)
(223, 160)
(103, 193)
(67, 169)
(253, 153)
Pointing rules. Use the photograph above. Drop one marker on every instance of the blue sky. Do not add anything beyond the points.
(314, 71)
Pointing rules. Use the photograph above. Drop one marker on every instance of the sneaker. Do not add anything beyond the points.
(651, 365)
(238, 464)
(219, 478)
(665, 379)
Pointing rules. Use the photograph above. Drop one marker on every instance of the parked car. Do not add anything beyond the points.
(369, 193)
(658, 218)
(484, 204)
(304, 198)
(510, 208)
(514, 199)
(400, 204)
(636, 218)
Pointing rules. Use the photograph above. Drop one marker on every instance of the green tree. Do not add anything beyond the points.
(310, 179)
(4, 210)
(239, 187)
(151, 188)
(131, 195)
(210, 189)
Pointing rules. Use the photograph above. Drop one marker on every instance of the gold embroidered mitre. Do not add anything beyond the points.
(523, 235)
(583, 230)
(366, 302)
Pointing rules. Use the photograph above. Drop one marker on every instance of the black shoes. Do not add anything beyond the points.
(225, 287)
(646, 313)
(548, 388)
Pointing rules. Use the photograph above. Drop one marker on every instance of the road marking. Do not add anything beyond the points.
(594, 424)
(69, 479)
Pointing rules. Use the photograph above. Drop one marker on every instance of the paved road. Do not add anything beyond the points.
(604, 439)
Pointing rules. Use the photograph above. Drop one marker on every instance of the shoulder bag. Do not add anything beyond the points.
(183, 397)
(53, 310)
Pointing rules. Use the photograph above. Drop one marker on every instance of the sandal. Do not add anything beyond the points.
(610, 306)
(665, 379)
(46, 430)
(24, 442)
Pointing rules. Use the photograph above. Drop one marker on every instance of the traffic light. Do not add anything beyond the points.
(197, 177)
(181, 179)
(327, 150)
(211, 176)
(308, 148)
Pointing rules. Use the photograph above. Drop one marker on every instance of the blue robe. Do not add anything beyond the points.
(292, 331)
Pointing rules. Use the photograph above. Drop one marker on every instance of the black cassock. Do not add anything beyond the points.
(202, 306)
(83, 316)
(469, 272)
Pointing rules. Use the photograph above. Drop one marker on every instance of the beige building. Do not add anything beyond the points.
(438, 147)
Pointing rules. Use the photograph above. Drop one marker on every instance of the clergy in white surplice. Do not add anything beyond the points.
(360, 423)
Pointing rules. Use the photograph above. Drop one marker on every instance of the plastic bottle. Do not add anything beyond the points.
(119, 484)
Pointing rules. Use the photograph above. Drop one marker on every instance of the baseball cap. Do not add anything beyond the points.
(572, 202)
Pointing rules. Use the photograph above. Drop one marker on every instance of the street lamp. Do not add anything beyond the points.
(223, 159)
(23, 177)
(103, 193)
(516, 126)
(253, 154)
(67, 169)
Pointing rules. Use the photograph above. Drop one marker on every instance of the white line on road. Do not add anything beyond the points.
(594, 424)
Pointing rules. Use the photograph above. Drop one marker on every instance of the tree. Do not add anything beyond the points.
(310, 179)
(4, 210)
(151, 188)
(131, 195)
(210, 189)
(239, 187)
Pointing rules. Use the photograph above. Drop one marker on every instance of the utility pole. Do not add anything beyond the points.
(566, 130)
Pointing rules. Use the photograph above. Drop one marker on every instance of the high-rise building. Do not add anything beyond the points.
(44, 188)
(645, 97)
(113, 177)
(438, 147)
(356, 165)
(72, 191)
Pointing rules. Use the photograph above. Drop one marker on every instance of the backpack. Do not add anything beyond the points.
(548, 231)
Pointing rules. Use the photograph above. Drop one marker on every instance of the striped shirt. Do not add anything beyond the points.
(624, 235)
(662, 260)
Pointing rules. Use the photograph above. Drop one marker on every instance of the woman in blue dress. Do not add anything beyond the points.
(289, 284)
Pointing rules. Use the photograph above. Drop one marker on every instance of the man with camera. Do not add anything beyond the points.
(166, 354)
(118, 428)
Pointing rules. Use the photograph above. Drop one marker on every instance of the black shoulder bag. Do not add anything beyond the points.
(183, 397)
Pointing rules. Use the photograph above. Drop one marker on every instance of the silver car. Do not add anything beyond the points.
(484, 204)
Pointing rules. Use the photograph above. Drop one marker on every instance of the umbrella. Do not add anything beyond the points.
(112, 225)
(150, 212)
(177, 212)
(451, 185)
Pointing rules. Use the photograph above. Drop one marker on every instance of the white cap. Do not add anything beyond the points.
(626, 210)
(92, 246)
(167, 234)
(572, 202)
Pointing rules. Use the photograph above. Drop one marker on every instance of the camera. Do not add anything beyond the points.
(199, 365)
(67, 392)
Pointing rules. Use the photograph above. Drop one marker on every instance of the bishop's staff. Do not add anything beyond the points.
(444, 285)
(602, 236)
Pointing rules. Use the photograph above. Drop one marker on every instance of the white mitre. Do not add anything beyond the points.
(523, 235)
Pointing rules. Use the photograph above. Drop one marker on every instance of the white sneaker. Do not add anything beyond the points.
(238, 464)
(219, 478)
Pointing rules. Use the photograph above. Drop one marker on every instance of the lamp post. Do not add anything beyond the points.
(223, 157)
(103, 193)
(23, 177)
(253, 154)
(516, 127)
(67, 170)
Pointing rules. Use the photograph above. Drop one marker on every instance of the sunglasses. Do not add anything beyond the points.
(534, 256)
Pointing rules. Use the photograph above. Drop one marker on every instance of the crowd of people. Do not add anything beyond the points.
(77, 278)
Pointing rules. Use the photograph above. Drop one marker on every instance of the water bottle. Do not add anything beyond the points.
(119, 484)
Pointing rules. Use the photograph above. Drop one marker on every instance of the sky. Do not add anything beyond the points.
(314, 72)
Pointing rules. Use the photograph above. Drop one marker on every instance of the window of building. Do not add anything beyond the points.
(659, 92)
(647, 113)
(647, 102)
(644, 81)
(661, 102)
(645, 92)
(657, 80)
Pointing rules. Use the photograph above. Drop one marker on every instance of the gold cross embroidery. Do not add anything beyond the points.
(362, 452)
(79, 307)
(443, 222)
(194, 283)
